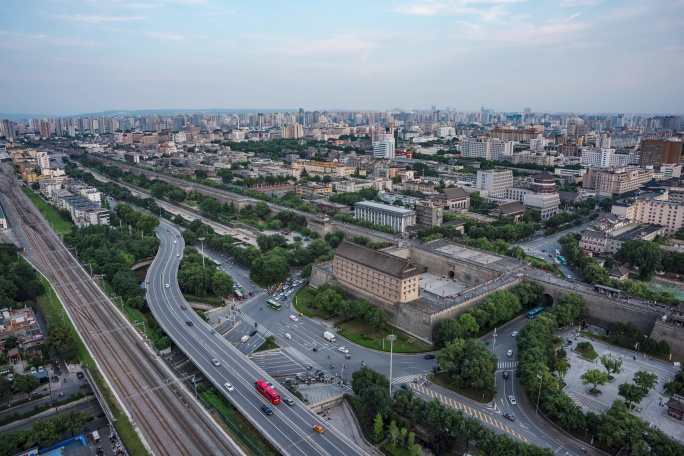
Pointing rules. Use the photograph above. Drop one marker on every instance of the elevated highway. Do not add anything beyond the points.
(290, 428)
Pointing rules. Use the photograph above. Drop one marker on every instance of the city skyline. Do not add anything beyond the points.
(65, 59)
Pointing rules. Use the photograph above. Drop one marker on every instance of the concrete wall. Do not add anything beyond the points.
(468, 273)
(673, 335)
(608, 309)
(319, 276)
(326, 404)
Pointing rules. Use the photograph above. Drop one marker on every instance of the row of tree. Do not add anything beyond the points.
(450, 425)
(499, 307)
(594, 274)
(18, 280)
(196, 279)
(43, 432)
(331, 299)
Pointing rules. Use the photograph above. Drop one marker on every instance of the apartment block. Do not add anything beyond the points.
(657, 152)
(654, 211)
(487, 148)
(428, 214)
(617, 181)
(375, 274)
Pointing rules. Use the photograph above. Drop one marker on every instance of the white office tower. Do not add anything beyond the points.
(43, 162)
(603, 140)
(384, 148)
(537, 144)
(487, 148)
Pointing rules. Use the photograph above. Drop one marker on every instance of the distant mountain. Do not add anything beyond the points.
(142, 112)
(14, 116)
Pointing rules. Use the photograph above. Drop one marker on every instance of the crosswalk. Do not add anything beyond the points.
(508, 365)
(482, 416)
(250, 321)
(406, 379)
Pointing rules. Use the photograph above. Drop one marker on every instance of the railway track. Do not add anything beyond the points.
(171, 422)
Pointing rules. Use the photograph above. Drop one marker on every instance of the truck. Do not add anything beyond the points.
(244, 339)
(330, 337)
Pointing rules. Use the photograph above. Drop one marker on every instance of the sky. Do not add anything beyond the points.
(66, 57)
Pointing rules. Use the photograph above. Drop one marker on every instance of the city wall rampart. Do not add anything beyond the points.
(670, 333)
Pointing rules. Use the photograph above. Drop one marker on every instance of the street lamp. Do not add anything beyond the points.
(538, 394)
(391, 338)
(202, 242)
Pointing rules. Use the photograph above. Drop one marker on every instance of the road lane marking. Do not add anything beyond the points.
(468, 410)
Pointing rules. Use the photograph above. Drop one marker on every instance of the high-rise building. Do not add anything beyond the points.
(656, 152)
(43, 161)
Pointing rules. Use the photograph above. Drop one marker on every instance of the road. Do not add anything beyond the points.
(290, 427)
(542, 247)
(527, 423)
(168, 425)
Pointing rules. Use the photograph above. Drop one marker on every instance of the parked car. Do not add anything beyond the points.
(79, 375)
(34, 371)
(429, 356)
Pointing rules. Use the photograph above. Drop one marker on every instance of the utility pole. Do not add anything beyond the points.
(201, 239)
(391, 338)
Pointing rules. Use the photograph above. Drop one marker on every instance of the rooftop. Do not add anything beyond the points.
(385, 207)
(380, 261)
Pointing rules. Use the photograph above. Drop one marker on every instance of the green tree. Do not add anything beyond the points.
(221, 284)
(26, 383)
(632, 393)
(594, 377)
(262, 209)
(620, 429)
(269, 269)
(366, 377)
(376, 400)
(646, 256)
(376, 317)
(612, 365)
(328, 299)
(378, 426)
(645, 380)
(468, 323)
(562, 367)
(447, 330)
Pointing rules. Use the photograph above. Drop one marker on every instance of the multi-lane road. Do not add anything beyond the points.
(290, 428)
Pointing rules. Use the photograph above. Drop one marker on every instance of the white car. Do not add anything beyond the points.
(167, 285)
(288, 336)
(34, 371)
(510, 353)
(40, 369)
(514, 333)
(343, 350)
(229, 387)
(175, 241)
(294, 318)
(178, 254)
(215, 362)
(511, 399)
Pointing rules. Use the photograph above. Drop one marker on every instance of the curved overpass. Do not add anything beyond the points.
(289, 429)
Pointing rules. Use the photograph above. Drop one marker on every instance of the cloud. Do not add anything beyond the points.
(441, 7)
(98, 19)
(574, 3)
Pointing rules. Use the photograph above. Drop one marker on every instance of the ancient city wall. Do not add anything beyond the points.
(672, 334)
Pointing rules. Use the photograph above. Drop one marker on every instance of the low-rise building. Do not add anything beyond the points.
(315, 189)
(610, 241)
(397, 218)
(3, 220)
(453, 199)
(375, 274)
(653, 209)
(616, 181)
(428, 214)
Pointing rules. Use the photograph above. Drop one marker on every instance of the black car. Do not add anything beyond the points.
(505, 375)
(509, 415)
(404, 386)
(189, 323)
(253, 333)
(79, 375)
(429, 356)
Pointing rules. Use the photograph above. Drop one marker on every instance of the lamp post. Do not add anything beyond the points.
(201, 239)
(391, 338)
(539, 393)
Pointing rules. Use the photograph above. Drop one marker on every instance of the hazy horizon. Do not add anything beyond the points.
(578, 56)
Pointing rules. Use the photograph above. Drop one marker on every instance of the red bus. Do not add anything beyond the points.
(239, 295)
(268, 392)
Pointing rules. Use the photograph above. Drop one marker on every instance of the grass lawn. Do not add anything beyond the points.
(304, 299)
(268, 344)
(357, 407)
(49, 213)
(241, 429)
(53, 313)
(586, 350)
(395, 450)
(443, 379)
(362, 333)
